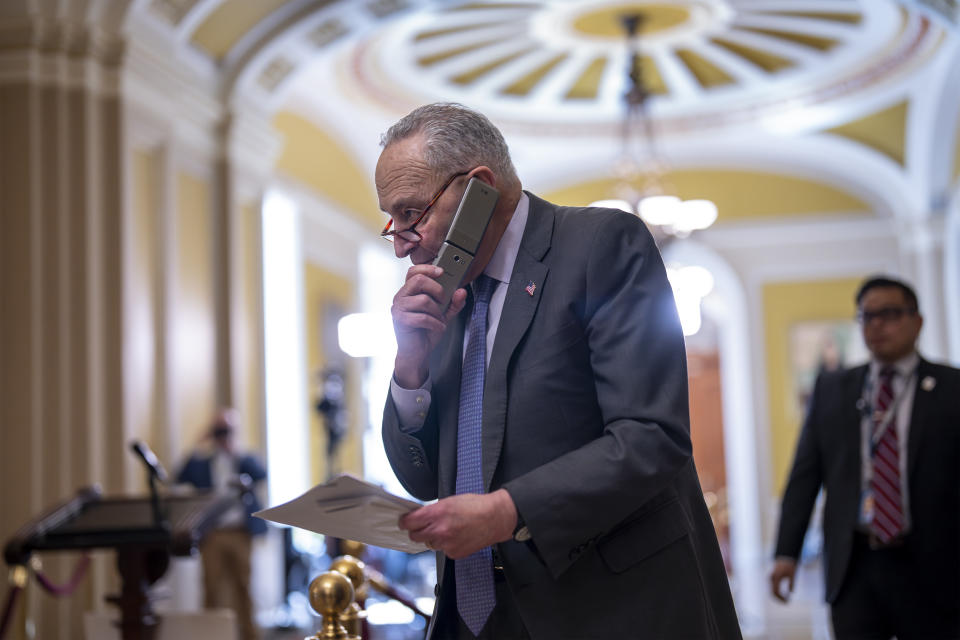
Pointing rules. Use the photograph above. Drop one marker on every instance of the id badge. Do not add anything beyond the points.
(866, 507)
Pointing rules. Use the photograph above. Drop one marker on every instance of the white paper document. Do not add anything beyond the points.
(349, 508)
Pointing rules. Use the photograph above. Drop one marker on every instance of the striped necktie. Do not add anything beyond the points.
(887, 521)
(474, 574)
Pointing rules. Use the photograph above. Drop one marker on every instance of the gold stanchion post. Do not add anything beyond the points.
(331, 593)
(353, 569)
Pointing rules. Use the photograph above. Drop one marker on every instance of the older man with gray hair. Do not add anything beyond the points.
(545, 408)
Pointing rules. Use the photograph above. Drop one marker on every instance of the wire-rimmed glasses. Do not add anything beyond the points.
(410, 234)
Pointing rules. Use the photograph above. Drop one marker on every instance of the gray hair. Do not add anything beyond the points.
(456, 139)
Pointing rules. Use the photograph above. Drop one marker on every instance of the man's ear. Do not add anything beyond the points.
(485, 174)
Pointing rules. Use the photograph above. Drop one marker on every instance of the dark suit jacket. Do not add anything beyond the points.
(829, 454)
(585, 423)
(197, 470)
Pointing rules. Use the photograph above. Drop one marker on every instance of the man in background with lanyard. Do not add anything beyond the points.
(883, 440)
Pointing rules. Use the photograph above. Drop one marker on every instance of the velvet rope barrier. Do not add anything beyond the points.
(79, 571)
(18, 580)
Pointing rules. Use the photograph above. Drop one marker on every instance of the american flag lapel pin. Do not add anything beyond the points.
(531, 287)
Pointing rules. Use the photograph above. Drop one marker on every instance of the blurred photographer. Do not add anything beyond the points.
(225, 551)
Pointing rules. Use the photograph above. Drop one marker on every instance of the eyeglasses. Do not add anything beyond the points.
(410, 234)
(886, 314)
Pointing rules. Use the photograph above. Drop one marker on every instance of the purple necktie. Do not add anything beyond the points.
(887, 522)
(474, 574)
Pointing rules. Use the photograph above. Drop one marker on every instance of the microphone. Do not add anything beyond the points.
(146, 454)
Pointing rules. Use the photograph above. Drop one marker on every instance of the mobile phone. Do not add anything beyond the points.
(463, 239)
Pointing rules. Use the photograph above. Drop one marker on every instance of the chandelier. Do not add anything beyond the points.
(641, 185)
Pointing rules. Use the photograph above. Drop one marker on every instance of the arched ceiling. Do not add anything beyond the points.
(734, 83)
(566, 61)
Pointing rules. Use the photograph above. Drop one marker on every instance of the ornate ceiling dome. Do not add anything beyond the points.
(707, 62)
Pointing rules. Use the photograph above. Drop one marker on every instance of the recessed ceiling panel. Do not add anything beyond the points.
(705, 62)
(884, 131)
(229, 22)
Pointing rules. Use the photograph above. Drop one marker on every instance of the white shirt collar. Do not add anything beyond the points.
(501, 263)
(904, 366)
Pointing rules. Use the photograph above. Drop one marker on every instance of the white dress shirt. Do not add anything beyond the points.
(223, 472)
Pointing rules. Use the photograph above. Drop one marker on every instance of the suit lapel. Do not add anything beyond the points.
(922, 399)
(519, 308)
(446, 367)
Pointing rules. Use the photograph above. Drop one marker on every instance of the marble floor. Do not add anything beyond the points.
(805, 617)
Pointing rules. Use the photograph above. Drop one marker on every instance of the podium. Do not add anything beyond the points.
(144, 531)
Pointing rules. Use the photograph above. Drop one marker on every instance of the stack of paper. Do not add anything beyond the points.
(349, 508)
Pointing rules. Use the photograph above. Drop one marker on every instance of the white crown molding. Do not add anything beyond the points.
(145, 130)
(252, 146)
(328, 215)
(57, 69)
(194, 161)
(923, 235)
(173, 82)
(810, 250)
(330, 238)
(799, 231)
(158, 85)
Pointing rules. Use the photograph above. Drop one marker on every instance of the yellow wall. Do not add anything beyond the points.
(738, 194)
(325, 291)
(193, 310)
(784, 305)
(317, 160)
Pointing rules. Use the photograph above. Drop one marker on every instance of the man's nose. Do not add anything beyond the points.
(402, 247)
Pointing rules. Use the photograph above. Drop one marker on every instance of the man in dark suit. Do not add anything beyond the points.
(883, 440)
(587, 519)
(225, 551)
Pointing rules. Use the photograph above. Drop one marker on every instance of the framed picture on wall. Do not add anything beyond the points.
(819, 346)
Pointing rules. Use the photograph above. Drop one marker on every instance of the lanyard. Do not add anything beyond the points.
(880, 422)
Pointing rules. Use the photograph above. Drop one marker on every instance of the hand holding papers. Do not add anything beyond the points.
(347, 507)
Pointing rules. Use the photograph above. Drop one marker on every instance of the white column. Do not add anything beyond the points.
(285, 362)
(923, 249)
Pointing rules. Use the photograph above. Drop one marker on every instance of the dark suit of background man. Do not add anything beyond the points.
(892, 553)
(225, 551)
(590, 498)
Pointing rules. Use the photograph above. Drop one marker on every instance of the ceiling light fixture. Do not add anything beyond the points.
(666, 215)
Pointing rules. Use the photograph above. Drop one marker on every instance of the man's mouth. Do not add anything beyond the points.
(421, 260)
